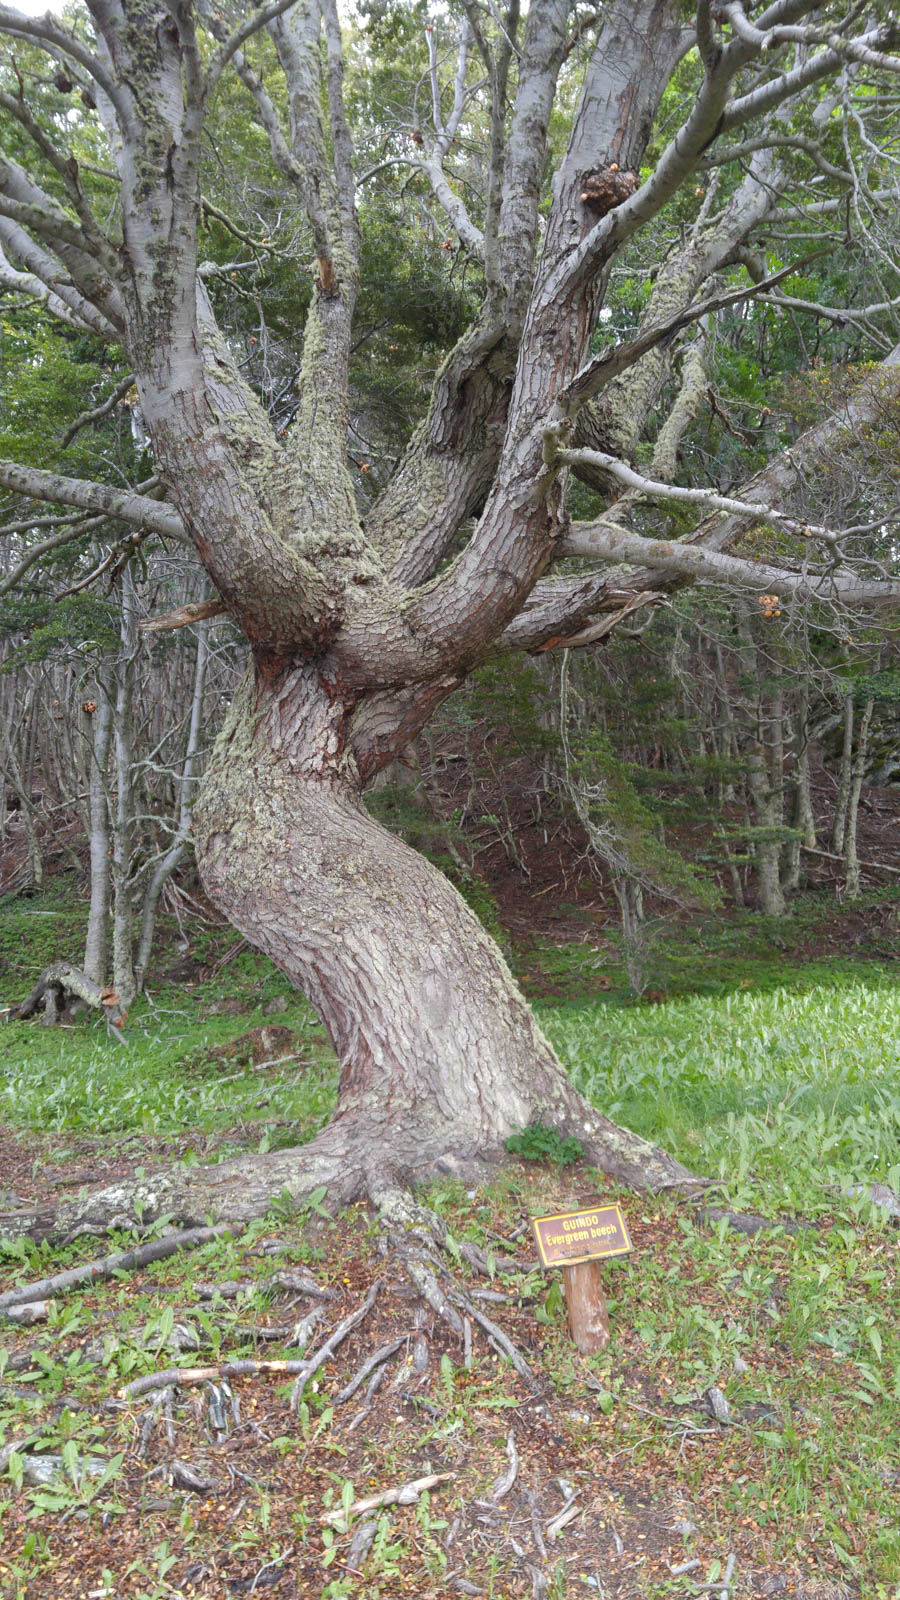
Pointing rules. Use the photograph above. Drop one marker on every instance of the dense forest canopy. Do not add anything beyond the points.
(351, 357)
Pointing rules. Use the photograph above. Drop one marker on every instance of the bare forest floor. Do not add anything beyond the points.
(742, 1422)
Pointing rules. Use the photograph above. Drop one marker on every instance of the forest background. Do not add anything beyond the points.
(691, 793)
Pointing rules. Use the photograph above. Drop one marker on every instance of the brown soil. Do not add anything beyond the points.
(643, 1504)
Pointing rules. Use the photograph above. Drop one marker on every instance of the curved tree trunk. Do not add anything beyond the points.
(441, 1058)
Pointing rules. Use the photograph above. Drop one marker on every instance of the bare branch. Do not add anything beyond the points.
(818, 66)
(432, 164)
(654, 489)
(250, 26)
(608, 541)
(88, 418)
(127, 506)
(74, 529)
(777, 141)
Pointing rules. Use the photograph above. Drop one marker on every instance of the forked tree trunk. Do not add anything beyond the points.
(440, 1056)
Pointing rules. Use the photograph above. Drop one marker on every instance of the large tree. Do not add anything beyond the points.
(361, 622)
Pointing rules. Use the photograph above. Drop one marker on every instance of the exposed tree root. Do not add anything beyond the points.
(356, 1157)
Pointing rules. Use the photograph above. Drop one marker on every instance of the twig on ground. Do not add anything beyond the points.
(124, 1261)
(685, 1566)
(562, 1519)
(498, 1338)
(504, 1483)
(184, 1377)
(277, 1061)
(726, 1577)
(406, 1495)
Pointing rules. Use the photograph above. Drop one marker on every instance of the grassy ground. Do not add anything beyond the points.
(787, 1095)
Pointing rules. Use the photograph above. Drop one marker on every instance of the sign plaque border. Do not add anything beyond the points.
(613, 1211)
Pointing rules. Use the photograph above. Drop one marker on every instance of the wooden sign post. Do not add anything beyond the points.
(578, 1241)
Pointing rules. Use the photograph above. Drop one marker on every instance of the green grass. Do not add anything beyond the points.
(787, 1091)
(795, 1090)
(161, 1083)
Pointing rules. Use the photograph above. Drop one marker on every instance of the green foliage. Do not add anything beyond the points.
(617, 811)
(540, 1143)
(49, 630)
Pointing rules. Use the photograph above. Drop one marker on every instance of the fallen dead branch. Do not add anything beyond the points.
(405, 1495)
(123, 1261)
(32, 1311)
(185, 1377)
(59, 980)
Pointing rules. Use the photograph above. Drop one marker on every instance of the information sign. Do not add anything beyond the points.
(573, 1236)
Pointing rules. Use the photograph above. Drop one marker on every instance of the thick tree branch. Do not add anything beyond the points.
(58, 288)
(447, 469)
(608, 541)
(137, 509)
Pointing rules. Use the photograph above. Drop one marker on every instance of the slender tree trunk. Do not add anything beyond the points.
(123, 914)
(764, 761)
(804, 820)
(95, 949)
(845, 779)
(170, 860)
(851, 860)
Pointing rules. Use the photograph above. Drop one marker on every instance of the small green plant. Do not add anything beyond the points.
(540, 1143)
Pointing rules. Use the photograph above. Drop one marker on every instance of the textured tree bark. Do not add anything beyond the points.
(845, 780)
(440, 1055)
(358, 632)
(441, 1058)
